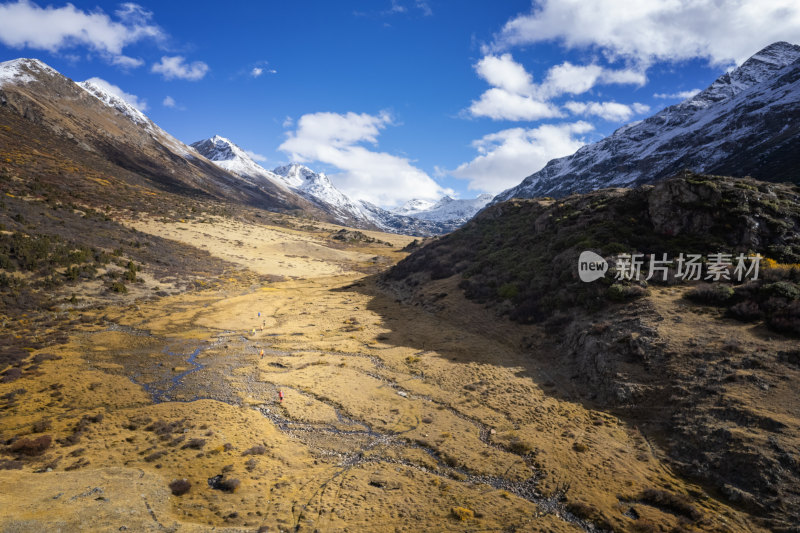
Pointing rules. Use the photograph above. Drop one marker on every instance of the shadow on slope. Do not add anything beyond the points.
(713, 391)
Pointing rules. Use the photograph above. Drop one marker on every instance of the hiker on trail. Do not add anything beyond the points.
(262, 353)
(280, 395)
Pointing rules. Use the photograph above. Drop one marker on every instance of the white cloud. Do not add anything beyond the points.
(132, 99)
(288, 121)
(508, 156)
(505, 73)
(611, 111)
(515, 96)
(256, 72)
(396, 8)
(572, 79)
(175, 67)
(127, 62)
(567, 78)
(256, 157)
(425, 8)
(722, 31)
(24, 24)
(681, 95)
(169, 102)
(378, 177)
(499, 104)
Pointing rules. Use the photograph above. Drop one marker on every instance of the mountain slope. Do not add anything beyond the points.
(711, 382)
(746, 123)
(93, 120)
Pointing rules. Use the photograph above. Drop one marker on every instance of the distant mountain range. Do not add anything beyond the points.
(90, 117)
(746, 123)
(447, 209)
(91, 120)
(417, 217)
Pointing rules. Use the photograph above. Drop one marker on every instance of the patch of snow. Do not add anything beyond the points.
(23, 70)
(115, 102)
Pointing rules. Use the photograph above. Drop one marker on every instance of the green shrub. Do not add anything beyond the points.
(621, 293)
(508, 291)
(781, 289)
(710, 294)
(118, 287)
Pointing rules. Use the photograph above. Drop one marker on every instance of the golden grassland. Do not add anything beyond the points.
(393, 418)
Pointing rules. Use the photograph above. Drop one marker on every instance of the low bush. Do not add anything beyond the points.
(31, 447)
(622, 293)
(710, 294)
(179, 487)
(746, 311)
(675, 503)
(224, 484)
(462, 513)
(194, 444)
(258, 449)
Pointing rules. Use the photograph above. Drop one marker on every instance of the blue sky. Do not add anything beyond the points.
(404, 98)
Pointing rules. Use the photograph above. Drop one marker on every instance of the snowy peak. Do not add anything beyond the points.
(112, 100)
(318, 187)
(302, 177)
(779, 53)
(758, 68)
(446, 210)
(415, 205)
(219, 149)
(23, 70)
(99, 118)
(745, 123)
(226, 154)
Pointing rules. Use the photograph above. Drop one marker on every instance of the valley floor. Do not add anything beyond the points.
(393, 418)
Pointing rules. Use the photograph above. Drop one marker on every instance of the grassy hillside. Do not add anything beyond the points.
(705, 369)
(521, 256)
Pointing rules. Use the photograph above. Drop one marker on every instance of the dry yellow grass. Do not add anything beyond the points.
(392, 417)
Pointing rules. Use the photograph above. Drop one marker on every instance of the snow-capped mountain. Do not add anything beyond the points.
(91, 121)
(415, 205)
(745, 123)
(115, 102)
(447, 210)
(225, 154)
(136, 116)
(391, 222)
(317, 188)
(23, 71)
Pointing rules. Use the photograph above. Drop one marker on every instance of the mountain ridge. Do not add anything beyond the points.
(744, 123)
(87, 116)
(317, 188)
